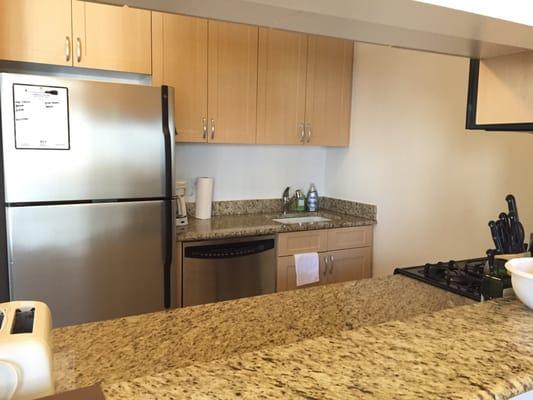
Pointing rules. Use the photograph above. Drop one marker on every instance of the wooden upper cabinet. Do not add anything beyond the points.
(505, 90)
(329, 91)
(232, 82)
(36, 31)
(180, 60)
(111, 37)
(281, 86)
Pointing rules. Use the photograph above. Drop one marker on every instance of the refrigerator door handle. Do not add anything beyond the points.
(169, 220)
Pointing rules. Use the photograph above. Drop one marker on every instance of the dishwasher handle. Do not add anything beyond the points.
(229, 250)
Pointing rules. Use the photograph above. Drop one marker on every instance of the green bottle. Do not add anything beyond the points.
(300, 200)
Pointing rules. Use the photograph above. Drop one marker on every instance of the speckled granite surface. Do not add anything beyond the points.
(241, 207)
(274, 206)
(134, 347)
(349, 207)
(481, 351)
(225, 226)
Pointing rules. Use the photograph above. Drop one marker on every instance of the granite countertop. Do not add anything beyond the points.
(117, 352)
(480, 351)
(225, 226)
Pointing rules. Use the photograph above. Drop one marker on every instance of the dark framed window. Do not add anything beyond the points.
(471, 107)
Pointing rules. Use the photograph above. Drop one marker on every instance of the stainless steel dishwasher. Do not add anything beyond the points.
(228, 269)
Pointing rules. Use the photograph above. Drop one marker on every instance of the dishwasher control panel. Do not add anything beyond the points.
(228, 250)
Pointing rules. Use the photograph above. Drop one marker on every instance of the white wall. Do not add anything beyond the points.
(436, 185)
(251, 172)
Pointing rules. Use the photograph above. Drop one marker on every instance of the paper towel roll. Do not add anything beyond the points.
(204, 197)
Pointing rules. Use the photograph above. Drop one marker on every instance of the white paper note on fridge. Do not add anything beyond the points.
(41, 117)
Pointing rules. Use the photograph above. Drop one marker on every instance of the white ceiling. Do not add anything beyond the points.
(400, 23)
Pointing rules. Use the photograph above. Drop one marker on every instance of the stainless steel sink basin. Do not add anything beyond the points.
(301, 220)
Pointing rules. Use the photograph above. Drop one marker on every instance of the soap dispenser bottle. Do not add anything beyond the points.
(312, 199)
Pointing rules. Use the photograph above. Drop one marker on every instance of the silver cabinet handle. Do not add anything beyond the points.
(308, 133)
(326, 258)
(67, 48)
(301, 130)
(332, 263)
(212, 128)
(204, 128)
(78, 49)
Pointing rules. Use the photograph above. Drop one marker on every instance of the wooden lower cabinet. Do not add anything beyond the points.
(348, 238)
(286, 279)
(348, 265)
(335, 266)
(345, 254)
(302, 242)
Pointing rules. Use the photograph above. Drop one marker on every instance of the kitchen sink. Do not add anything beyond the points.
(301, 220)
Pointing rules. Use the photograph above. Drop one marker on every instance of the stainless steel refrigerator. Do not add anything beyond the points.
(88, 193)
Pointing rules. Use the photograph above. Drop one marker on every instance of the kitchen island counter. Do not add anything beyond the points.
(119, 351)
(480, 351)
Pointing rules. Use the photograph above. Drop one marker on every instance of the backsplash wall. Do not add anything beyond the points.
(243, 172)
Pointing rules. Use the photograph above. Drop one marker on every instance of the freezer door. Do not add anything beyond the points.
(89, 262)
(117, 147)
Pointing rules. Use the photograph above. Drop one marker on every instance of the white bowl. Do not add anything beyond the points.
(521, 270)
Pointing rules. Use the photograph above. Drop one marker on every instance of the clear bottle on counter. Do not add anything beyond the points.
(312, 199)
(300, 200)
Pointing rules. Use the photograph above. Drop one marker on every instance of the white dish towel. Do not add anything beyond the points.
(307, 270)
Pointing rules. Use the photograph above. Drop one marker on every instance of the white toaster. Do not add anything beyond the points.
(25, 350)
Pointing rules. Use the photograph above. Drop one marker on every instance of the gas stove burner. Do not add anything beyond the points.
(472, 278)
(439, 270)
(435, 271)
(453, 271)
(476, 268)
(471, 281)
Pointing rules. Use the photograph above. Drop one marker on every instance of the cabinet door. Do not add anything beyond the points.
(36, 31)
(329, 91)
(349, 265)
(286, 279)
(281, 86)
(348, 238)
(232, 82)
(302, 242)
(180, 60)
(111, 37)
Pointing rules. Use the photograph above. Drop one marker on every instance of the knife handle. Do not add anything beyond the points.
(495, 236)
(517, 233)
(503, 231)
(511, 204)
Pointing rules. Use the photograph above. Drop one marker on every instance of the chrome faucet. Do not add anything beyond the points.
(287, 200)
